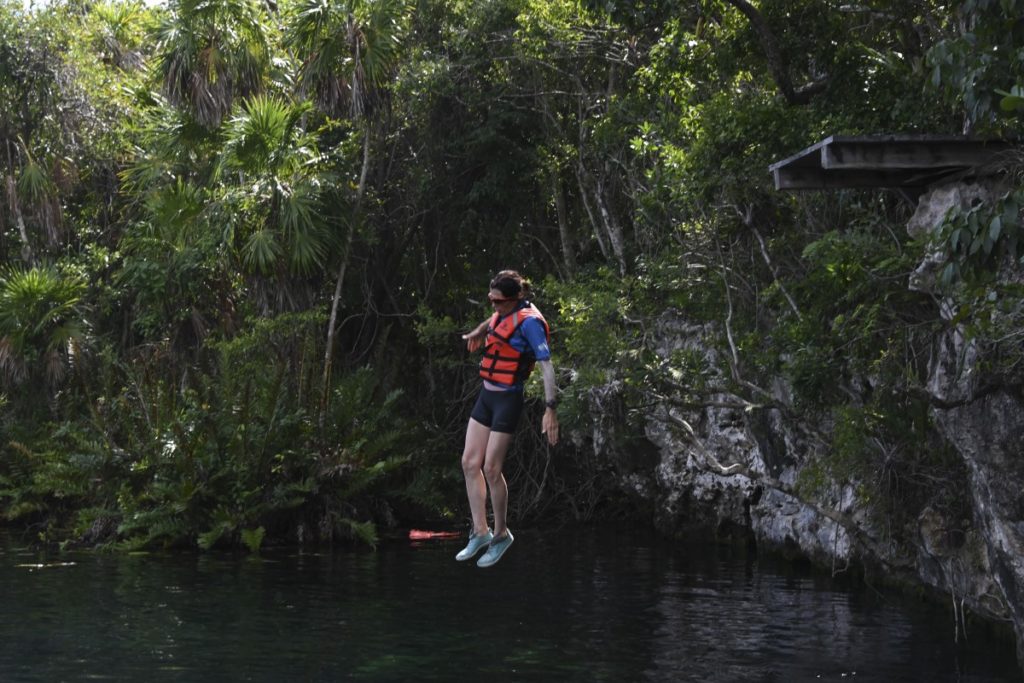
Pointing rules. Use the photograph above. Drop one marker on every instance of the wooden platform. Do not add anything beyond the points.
(911, 162)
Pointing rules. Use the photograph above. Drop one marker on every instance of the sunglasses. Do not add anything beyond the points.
(501, 300)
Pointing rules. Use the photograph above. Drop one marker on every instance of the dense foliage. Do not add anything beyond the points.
(240, 240)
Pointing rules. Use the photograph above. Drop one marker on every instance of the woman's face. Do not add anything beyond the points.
(502, 304)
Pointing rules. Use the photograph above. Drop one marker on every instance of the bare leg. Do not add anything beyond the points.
(472, 464)
(494, 460)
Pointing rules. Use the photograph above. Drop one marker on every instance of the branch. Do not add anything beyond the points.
(734, 365)
(777, 63)
(748, 220)
(739, 404)
(554, 261)
(580, 173)
(934, 401)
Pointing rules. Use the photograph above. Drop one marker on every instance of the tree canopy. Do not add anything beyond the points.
(239, 239)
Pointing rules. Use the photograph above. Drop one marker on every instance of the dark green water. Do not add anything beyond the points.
(584, 605)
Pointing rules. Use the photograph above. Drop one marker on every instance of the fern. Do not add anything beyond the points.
(226, 458)
(253, 538)
(364, 531)
(290, 496)
(23, 508)
(143, 529)
(363, 479)
(208, 539)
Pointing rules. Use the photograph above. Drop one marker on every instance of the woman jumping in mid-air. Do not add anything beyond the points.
(515, 338)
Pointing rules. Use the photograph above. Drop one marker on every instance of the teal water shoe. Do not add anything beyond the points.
(496, 550)
(475, 545)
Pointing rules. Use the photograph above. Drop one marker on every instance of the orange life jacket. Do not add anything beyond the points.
(502, 363)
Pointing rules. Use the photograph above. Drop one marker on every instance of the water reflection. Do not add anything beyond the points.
(582, 605)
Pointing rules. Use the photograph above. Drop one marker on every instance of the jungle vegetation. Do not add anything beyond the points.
(240, 239)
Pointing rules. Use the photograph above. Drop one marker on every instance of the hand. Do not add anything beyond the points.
(474, 339)
(549, 425)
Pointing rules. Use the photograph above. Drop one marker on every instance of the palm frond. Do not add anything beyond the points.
(277, 198)
(348, 50)
(256, 133)
(39, 319)
(364, 531)
(304, 229)
(119, 21)
(385, 24)
(39, 194)
(54, 367)
(209, 53)
(261, 251)
(12, 361)
(34, 183)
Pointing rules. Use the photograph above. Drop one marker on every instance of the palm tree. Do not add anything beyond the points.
(276, 200)
(40, 322)
(348, 50)
(118, 32)
(173, 241)
(209, 52)
(39, 195)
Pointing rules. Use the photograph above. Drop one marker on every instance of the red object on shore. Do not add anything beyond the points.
(421, 535)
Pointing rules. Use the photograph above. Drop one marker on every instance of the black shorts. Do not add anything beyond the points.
(499, 410)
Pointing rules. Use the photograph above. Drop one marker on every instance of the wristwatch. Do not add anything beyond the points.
(552, 403)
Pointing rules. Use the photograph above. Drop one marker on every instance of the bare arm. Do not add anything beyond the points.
(475, 338)
(549, 424)
(550, 388)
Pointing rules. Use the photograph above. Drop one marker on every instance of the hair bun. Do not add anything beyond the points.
(510, 283)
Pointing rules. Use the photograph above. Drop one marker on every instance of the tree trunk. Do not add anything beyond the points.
(568, 252)
(19, 220)
(13, 202)
(611, 225)
(777, 63)
(336, 299)
(580, 175)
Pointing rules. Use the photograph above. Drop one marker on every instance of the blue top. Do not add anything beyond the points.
(531, 336)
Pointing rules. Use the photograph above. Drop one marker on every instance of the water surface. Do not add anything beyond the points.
(574, 605)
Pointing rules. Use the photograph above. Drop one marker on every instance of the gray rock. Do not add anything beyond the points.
(980, 564)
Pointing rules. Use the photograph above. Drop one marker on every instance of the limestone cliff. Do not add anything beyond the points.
(730, 463)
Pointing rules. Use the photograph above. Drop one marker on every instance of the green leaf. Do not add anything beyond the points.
(34, 185)
(962, 314)
(364, 531)
(1011, 213)
(261, 251)
(972, 222)
(1011, 101)
(955, 237)
(947, 274)
(253, 538)
(209, 538)
(995, 227)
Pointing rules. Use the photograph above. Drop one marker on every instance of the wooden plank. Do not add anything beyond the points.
(798, 178)
(887, 155)
(810, 156)
(907, 161)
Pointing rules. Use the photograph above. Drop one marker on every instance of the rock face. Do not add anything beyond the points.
(690, 480)
(989, 433)
(983, 417)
